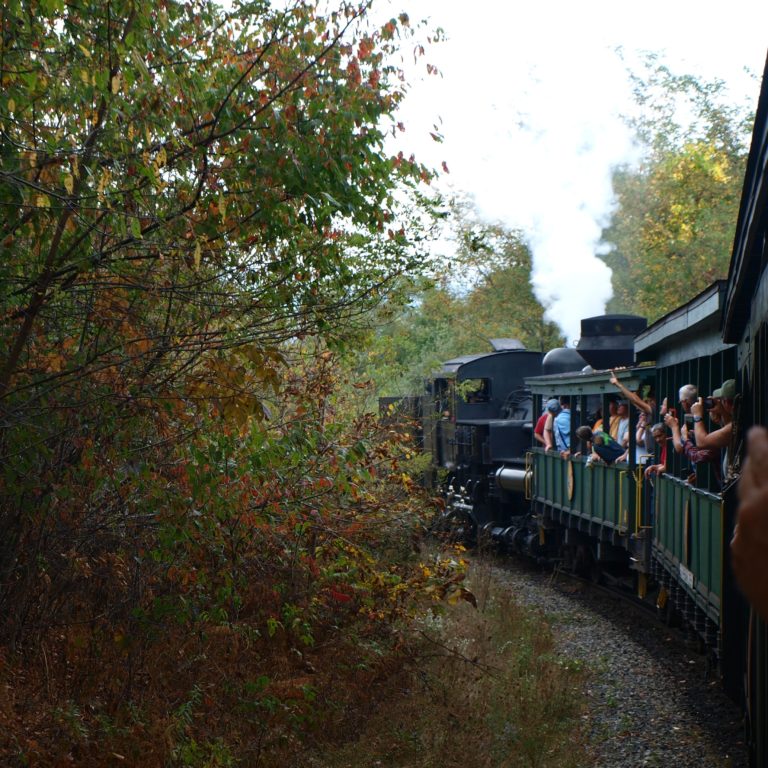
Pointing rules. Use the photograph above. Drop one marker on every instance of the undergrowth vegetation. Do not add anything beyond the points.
(483, 686)
(233, 612)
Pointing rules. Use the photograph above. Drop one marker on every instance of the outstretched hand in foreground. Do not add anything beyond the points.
(750, 538)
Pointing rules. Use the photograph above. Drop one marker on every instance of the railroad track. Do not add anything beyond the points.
(651, 697)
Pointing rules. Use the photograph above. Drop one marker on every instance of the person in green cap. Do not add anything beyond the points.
(724, 397)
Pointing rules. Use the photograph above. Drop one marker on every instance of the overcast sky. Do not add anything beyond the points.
(528, 102)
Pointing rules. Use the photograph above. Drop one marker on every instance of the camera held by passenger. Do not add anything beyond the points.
(709, 403)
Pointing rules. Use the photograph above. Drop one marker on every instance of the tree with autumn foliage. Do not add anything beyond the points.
(672, 232)
(198, 208)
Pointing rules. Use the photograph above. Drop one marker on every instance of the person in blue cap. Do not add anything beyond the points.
(562, 427)
(538, 430)
(553, 409)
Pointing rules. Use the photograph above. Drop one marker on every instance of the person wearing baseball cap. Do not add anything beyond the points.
(551, 409)
(717, 438)
(727, 391)
(726, 394)
(551, 406)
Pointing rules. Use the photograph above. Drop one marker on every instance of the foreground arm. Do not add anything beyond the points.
(750, 537)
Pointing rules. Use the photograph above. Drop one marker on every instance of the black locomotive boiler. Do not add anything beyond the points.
(478, 416)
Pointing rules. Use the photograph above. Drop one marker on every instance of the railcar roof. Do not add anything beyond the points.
(491, 422)
(500, 345)
(589, 382)
(689, 331)
(453, 365)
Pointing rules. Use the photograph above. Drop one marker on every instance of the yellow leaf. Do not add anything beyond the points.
(116, 83)
(198, 254)
(11, 105)
(69, 183)
(85, 77)
(42, 201)
(103, 181)
(85, 51)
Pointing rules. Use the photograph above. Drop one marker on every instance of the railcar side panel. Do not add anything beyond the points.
(688, 541)
(597, 494)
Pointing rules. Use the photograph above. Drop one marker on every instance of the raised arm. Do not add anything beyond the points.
(633, 397)
(674, 425)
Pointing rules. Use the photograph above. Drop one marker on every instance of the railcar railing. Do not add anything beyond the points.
(688, 539)
(599, 494)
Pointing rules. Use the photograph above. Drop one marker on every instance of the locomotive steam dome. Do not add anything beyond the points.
(608, 341)
(562, 360)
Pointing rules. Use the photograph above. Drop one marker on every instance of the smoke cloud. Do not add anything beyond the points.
(530, 103)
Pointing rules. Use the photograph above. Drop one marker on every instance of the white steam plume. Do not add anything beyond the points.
(530, 100)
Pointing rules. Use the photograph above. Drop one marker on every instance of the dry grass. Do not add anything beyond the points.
(483, 689)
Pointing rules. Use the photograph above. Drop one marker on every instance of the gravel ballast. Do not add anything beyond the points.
(650, 700)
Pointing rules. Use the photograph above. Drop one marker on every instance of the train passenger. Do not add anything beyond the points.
(687, 396)
(562, 427)
(660, 438)
(598, 418)
(613, 418)
(718, 438)
(538, 430)
(726, 394)
(622, 433)
(553, 408)
(643, 439)
(645, 404)
(603, 447)
(750, 537)
(682, 443)
(723, 398)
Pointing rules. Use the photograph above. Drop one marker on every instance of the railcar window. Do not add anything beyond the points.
(441, 393)
(474, 390)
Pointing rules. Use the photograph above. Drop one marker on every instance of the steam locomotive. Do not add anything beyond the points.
(670, 537)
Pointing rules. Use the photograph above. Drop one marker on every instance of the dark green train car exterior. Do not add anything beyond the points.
(596, 509)
(688, 545)
(690, 532)
(745, 324)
